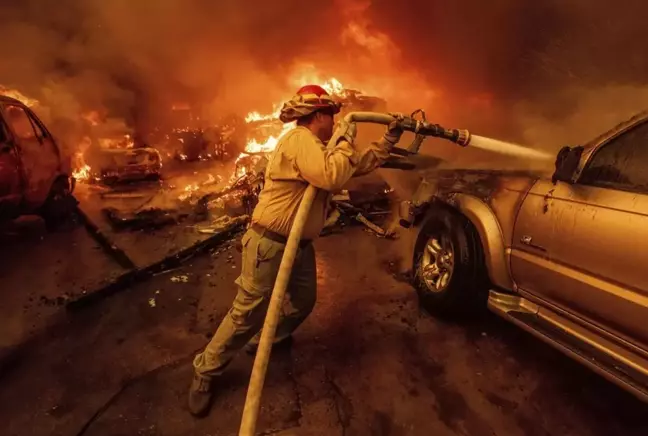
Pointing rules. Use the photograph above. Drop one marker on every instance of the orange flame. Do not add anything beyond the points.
(82, 174)
(332, 86)
(30, 102)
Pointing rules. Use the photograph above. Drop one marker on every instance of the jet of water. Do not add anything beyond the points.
(508, 148)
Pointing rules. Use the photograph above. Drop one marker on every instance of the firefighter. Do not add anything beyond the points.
(299, 159)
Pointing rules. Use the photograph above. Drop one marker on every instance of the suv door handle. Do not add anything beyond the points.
(528, 240)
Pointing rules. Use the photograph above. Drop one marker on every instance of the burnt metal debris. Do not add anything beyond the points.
(369, 206)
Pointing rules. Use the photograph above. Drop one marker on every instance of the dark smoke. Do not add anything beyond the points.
(551, 59)
(131, 59)
(537, 71)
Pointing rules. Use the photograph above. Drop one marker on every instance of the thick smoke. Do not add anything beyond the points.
(535, 72)
(547, 63)
(128, 59)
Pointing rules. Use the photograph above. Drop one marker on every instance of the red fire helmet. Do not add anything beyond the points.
(318, 97)
(309, 99)
(312, 89)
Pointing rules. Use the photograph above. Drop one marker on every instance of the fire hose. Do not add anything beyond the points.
(422, 129)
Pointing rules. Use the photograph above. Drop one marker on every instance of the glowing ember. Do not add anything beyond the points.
(188, 191)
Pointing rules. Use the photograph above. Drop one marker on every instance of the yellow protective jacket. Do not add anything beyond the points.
(300, 159)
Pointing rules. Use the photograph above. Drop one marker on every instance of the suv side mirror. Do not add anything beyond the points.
(567, 162)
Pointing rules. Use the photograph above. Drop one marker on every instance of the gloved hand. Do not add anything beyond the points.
(393, 133)
(346, 131)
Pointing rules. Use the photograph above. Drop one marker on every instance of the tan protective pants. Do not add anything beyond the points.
(242, 324)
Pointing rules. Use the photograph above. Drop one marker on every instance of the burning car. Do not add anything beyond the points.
(354, 100)
(129, 164)
(34, 175)
(562, 257)
(119, 159)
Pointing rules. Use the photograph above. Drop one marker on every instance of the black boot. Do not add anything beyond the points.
(200, 395)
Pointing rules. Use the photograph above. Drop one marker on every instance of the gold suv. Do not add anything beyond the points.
(565, 257)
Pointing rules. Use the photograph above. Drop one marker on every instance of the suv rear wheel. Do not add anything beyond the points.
(449, 264)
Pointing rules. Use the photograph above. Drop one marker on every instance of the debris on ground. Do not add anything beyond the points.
(371, 226)
(178, 279)
(122, 195)
(333, 218)
(215, 205)
(56, 301)
(369, 207)
(222, 224)
(145, 219)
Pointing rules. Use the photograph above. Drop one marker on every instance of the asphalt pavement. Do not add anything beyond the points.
(367, 362)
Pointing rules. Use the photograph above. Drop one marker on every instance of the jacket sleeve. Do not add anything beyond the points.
(372, 157)
(327, 169)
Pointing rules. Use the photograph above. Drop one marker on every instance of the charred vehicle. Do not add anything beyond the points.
(129, 164)
(354, 100)
(120, 158)
(34, 175)
(563, 257)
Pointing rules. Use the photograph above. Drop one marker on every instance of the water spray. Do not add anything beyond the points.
(422, 129)
(508, 148)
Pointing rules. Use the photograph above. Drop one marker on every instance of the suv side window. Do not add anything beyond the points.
(621, 163)
(20, 122)
(36, 125)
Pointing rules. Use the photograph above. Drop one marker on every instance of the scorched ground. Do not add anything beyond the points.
(367, 362)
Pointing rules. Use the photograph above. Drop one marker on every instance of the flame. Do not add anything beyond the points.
(191, 188)
(30, 102)
(82, 174)
(125, 141)
(333, 86)
(253, 146)
(188, 191)
(307, 75)
(256, 116)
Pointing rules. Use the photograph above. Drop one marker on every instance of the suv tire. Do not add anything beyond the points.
(450, 274)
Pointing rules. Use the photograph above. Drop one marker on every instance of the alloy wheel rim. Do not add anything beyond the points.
(437, 263)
